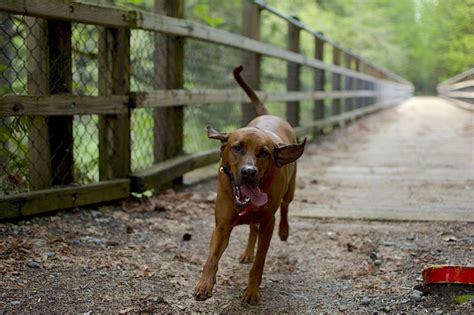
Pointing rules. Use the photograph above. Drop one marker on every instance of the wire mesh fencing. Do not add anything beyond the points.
(23, 138)
(27, 152)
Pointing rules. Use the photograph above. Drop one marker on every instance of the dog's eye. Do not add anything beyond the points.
(237, 148)
(263, 153)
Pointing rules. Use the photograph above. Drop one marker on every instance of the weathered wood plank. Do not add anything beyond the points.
(46, 200)
(358, 83)
(163, 98)
(9, 209)
(348, 82)
(57, 105)
(60, 82)
(105, 46)
(459, 94)
(168, 74)
(250, 60)
(165, 172)
(114, 79)
(336, 82)
(457, 86)
(319, 110)
(39, 162)
(293, 75)
(120, 124)
(71, 11)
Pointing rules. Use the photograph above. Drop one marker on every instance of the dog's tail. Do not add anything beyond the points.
(259, 107)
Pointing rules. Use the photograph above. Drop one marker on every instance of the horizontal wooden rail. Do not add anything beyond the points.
(54, 105)
(458, 78)
(106, 16)
(16, 105)
(57, 105)
(166, 98)
(457, 86)
(459, 90)
(459, 94)
(72, 11)
(165, 172)
(41, 201)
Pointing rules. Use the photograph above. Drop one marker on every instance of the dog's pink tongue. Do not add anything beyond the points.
(257, 197)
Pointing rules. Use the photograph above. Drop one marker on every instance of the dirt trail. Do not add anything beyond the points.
(147, 256)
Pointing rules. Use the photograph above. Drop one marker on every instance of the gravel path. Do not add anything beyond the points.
(146, 256)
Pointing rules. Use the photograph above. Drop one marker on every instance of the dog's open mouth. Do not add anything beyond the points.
(245, 194)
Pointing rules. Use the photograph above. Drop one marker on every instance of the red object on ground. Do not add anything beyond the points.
(448, 274)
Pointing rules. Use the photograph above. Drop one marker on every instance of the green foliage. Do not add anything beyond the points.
(425, 41)
(202, 10)
(216, 13)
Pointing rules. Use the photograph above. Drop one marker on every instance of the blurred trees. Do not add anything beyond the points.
(425, 41)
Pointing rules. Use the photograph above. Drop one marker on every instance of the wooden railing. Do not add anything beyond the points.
(358, 87)
(459, 89)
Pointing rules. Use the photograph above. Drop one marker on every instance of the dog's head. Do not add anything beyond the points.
(249, 156)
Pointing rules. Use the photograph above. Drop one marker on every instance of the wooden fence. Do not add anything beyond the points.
(357, 87)
(459, 89)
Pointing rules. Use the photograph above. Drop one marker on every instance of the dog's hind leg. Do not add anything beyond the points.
(284, 227)
(247, 256)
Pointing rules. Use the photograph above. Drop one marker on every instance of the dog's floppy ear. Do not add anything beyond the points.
(288, 153)
(214, 134)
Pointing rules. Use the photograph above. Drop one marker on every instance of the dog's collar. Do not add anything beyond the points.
(224, 169)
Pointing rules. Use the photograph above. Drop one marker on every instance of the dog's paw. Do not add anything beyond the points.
(203, 290)
(245, 258)
(251, 296)
(283, 231)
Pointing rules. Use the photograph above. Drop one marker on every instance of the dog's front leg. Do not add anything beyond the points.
(219, 241)
(252, 292)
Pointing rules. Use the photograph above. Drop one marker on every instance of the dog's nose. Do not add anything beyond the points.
(249, 171)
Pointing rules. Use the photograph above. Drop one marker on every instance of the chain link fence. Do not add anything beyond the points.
(206, 66)
(23, 139)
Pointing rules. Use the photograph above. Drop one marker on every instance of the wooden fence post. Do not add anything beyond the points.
(370, 85)
(363, 83)
(250, 60)
(319, 81)
(348, 82)
(114, 78)
(168, 61)
(169, 69)
(6, 57)
(60, 81)
(356, 84)
(39, 161)
(293, 75)
(336, 81)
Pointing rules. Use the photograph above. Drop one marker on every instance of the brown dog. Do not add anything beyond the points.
(256, 176)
